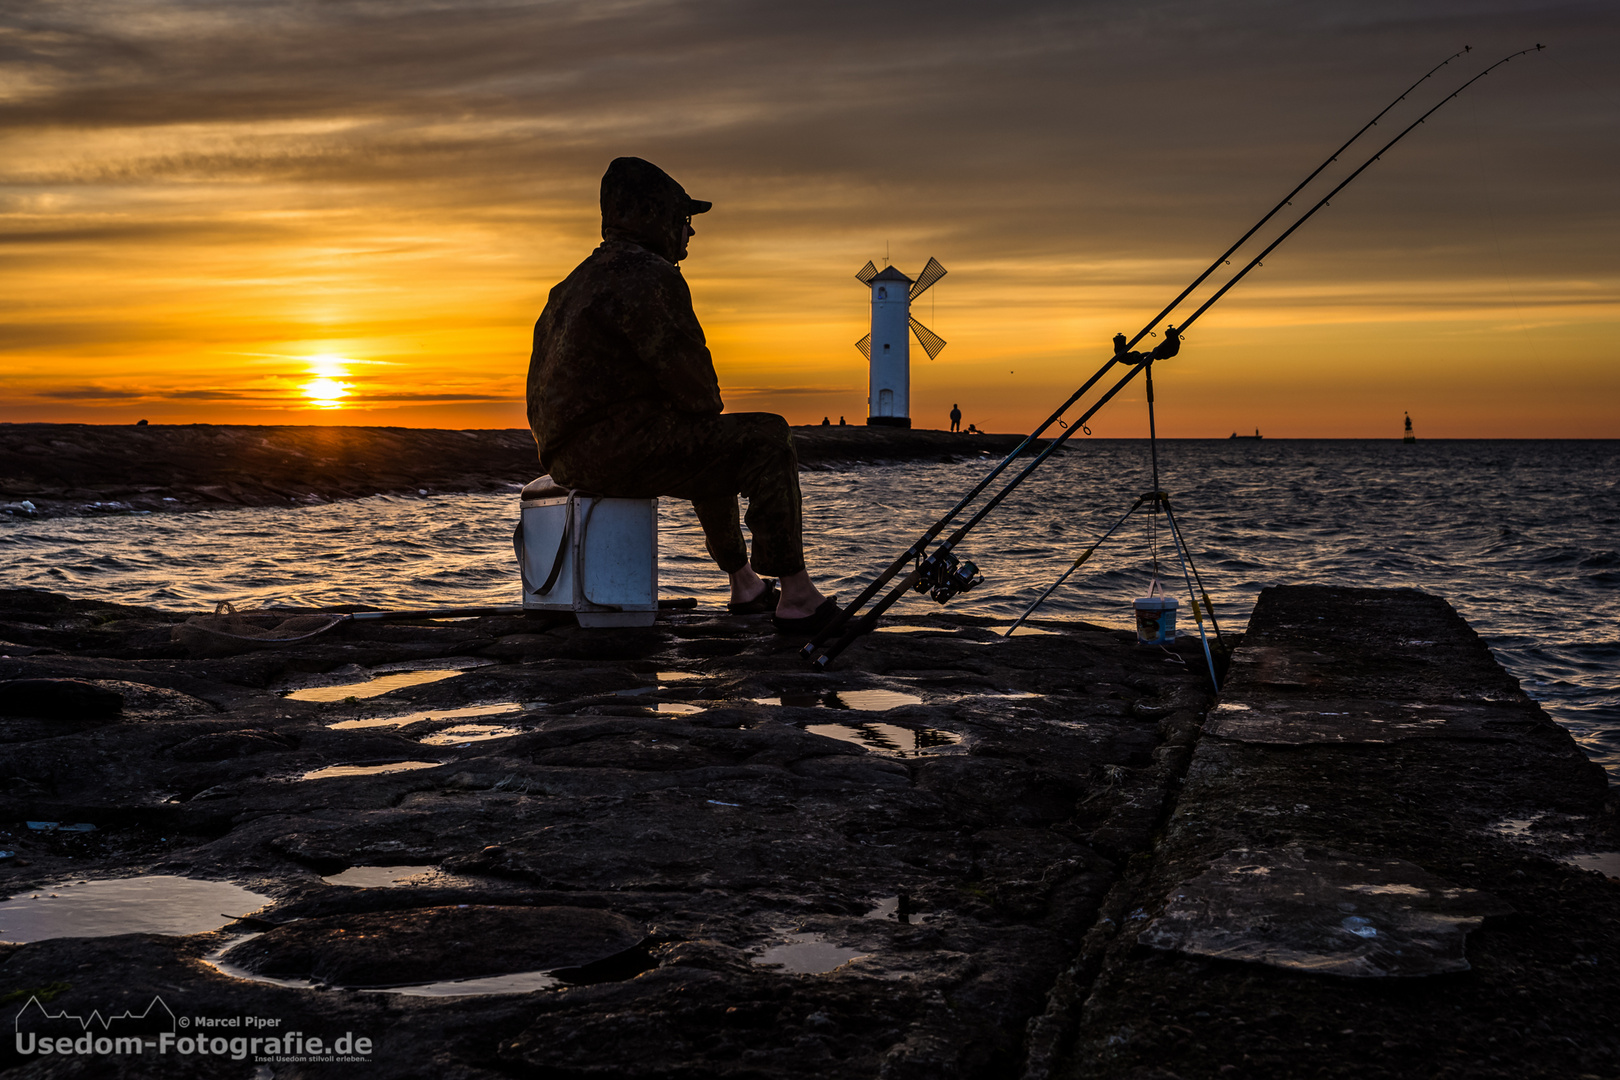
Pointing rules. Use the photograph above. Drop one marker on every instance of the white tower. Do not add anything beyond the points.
(888, 347)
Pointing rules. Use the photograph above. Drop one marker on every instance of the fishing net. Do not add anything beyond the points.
(227, 631)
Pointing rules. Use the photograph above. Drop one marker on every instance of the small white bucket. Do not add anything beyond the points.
(1156, 620)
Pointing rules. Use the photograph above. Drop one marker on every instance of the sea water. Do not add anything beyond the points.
(1521, 537)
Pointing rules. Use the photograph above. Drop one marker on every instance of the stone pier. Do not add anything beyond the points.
(956, 854)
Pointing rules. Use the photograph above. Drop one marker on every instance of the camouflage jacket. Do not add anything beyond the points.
(617, 340)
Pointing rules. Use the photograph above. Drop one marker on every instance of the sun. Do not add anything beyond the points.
(326, 390)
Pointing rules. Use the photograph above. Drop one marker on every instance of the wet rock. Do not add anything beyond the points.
(436, 944)
(59, 699)
(1323, 912)
(220, 745)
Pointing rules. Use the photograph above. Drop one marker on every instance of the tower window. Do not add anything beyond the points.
(885, 348)
(883, 292)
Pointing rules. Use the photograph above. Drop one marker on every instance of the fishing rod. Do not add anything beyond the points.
(943, 575)
(916, 550)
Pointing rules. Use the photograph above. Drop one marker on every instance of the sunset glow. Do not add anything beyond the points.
(358, 220)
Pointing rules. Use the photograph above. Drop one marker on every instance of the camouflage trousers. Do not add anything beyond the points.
(709, 460)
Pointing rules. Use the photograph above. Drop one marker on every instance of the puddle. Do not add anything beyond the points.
(889, 908)
(1022, 630)
(379, 877)
(806, 954)
(677, 676)
(1514, 828)
(1010, 695)
(1606, 863)
(521, 982)
(861, 700)
(498, 708)
(916, 630)
(679, 708)
(156, 904)
(889, 738)
(57, 826)
(213, 960)
(876, 700)
(369, 770)
(370, 687)
(462, 734)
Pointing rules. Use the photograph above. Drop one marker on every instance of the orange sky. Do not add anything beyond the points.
(345, 213)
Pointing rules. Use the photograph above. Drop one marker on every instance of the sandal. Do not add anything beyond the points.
(812, 623)
(759, 605)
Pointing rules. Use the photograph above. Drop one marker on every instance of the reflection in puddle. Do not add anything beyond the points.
(214, 961)
(916, 629)
(1515, 828)
(889, 908)
(677, 676)
(1606, 863)
(471, 733)
(876, 700)
(369, 770)
(156, 904)
(521, 982)
(806, 954)
(862, 700)
(680, 708)
(888, 738)
(1021, 631)
(379, 877)
(499, 708)
(371, 687)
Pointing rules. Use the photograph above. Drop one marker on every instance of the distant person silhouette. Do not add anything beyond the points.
(840, 421)
(825, 422)
(956, 418)
(973, 430)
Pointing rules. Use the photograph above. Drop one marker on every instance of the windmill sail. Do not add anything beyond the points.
(931, 341)
(867, 273)
(930, 274)
(865, 345)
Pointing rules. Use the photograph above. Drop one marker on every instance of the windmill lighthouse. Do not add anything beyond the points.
(888, 346)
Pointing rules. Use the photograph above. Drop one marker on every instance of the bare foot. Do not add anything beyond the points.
(746, 585)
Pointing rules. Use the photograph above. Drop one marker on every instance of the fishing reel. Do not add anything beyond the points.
(942, 576)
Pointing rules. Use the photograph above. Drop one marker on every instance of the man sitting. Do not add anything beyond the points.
(624, 401)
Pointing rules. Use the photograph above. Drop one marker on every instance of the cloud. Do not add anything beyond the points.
(200, 179)
(90, 393)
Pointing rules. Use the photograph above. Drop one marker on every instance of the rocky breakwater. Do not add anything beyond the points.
(509, 846)
(1386, 861)
(54, 469)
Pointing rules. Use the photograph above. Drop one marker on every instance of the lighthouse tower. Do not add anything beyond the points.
(888, 346)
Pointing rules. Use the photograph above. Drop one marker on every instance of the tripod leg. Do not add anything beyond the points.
(1072, 568)
(1204, 638)
(1209, 607)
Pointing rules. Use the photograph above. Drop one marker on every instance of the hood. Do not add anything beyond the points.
(643, 204)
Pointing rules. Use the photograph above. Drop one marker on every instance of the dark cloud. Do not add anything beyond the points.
(90, 393)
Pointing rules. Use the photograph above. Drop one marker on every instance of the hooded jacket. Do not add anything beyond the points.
(618, 340)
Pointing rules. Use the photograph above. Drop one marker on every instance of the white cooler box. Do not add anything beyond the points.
(593, 556)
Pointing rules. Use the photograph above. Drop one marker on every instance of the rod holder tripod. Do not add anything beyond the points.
(1154, 500)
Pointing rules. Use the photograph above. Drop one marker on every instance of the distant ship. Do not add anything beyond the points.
(1256, 435)
(1409, 436)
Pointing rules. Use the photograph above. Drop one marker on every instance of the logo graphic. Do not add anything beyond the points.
(127, 1032)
